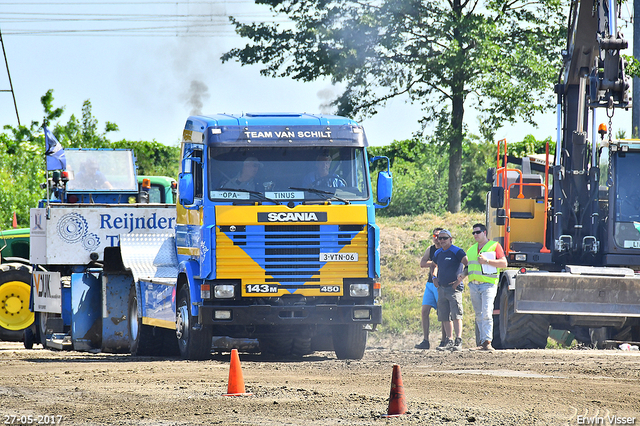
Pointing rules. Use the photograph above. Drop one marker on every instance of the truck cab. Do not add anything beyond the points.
(276, 235)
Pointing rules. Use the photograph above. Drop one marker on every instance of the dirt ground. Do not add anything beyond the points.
(509, 387)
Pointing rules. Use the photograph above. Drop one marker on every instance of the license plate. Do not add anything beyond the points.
(338, 257)
(261, 288)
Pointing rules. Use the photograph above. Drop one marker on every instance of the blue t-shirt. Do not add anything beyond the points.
(448, 262)
(331, 180)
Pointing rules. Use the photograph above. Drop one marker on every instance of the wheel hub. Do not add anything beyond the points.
(12, 305)
(182, 323)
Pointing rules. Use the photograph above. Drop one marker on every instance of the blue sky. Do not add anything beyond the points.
(146, 65)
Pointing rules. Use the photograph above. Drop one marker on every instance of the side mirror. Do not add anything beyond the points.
(185, 189)
(497, 197)
(384, 187)
(501, 217)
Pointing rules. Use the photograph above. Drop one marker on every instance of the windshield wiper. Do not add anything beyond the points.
(331, 195)
(259, 194)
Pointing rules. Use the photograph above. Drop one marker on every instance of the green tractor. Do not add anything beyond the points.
(15, 284)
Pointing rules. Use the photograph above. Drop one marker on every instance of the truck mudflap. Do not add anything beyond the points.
(149, 256)
(292, 315)
(582, 290)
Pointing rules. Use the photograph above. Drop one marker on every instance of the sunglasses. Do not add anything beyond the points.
(443, 238)
(477, 232)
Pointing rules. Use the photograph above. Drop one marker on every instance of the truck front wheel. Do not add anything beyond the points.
(194, 342)
(349, 341)
(15, 289)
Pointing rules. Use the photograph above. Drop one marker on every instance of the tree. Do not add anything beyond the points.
(499, 56)
(84, 134)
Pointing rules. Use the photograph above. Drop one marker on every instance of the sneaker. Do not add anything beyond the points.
(457, 346)
(423, 345)
(443, 343)
(447, 346)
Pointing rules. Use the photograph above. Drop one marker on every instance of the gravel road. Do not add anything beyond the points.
(509, 387)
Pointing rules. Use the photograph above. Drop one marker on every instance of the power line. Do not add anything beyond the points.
(151, 3)
(204, 24)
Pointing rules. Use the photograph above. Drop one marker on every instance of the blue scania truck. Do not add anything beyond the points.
(272, 238)
(275, 240)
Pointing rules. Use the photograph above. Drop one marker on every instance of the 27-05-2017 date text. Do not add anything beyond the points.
(47, 419)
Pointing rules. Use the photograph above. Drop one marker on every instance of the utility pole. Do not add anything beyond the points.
(635, 111)
(15, 105)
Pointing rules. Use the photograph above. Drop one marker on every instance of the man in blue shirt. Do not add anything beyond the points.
(451, 261)
(321, 176)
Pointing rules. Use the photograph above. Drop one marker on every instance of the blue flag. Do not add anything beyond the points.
(53, 152)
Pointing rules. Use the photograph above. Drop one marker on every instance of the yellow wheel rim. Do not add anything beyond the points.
(14, 305)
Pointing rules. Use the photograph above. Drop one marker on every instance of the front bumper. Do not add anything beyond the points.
(290, 315)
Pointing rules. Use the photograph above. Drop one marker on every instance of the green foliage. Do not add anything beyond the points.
(419, 177)
(84, 133)
(21, 171)
(496, 57)
(153, 158)
(530, 145)
(477, 157)
(420, 174)
(633, 66)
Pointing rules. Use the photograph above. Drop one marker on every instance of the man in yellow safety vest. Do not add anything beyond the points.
(486, 258)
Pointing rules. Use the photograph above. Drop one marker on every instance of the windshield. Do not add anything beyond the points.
(100, 171)
(627, 199)
(287, 174)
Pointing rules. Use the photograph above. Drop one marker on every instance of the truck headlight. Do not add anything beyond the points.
(222, 315)
(359, 290)
(361, 314)
(224, 291)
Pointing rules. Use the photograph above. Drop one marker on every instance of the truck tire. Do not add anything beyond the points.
(30, 337)
(194, 343)
(598, 336)
(141, 341)
(520, 331)
(349, 341)
(145, 340)
(301, 346)
(15, 290)
(41, 321)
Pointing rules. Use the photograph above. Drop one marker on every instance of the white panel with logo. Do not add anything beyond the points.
(71, 235)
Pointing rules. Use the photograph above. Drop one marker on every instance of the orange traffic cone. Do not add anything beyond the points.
(236, 382)
(15, 220)
(397, 403)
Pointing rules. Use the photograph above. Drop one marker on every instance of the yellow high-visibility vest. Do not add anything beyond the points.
(475, 269)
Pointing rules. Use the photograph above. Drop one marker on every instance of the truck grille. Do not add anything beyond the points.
(289, 255)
